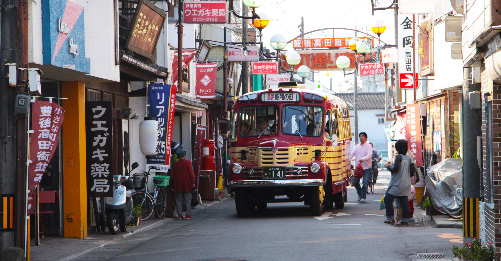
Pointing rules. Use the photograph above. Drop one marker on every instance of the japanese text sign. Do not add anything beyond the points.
(251, 54)
(161, 105)
(275, 79)
(371, 69)
(265, 68)
(322, 43)
(187, 57)
(405, 47)
(413, 132)
(207, 12)
(46, 120)
(206, 81)
(145, 29)
(323, 60)
(99, 128)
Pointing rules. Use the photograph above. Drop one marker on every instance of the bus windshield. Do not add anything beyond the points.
(302, 120)
(258, 121)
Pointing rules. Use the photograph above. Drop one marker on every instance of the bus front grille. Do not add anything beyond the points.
(281, 157)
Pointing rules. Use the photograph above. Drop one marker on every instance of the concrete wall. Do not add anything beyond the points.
(368, 123)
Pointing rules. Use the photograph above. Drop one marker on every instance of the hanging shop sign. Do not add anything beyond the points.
(406, 51)
(187, 57)
(249, 54)
(161, 105)
(265, 68)
(322, 43)
(145, 29)
(206, 81)
(207, 12)
(63, 29)
(413, 132)
(46, 120)
(99, 129)
(275, 79)
(324, 60)
(389, 55)
(366, 69)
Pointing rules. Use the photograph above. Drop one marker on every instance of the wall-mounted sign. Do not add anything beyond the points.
(99, 129)
(145, 29)
(405, 50)
(207, 12)
(371, 69)
(206, 81)
(249, 54)
(406, 80)
(63, 29)
(265, 68)
(275, 79)
(322, 43)
(324, 60)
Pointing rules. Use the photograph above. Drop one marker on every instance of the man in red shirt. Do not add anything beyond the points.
(183, 182)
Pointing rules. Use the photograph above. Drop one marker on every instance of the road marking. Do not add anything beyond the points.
(325, 216)
(341, 214)
(377, 215)
(346, 224)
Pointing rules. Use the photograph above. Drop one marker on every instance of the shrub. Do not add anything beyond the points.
(474, 251)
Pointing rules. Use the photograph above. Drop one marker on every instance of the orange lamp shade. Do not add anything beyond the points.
(261, 24)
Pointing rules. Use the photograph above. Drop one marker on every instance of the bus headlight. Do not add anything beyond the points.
(237, 169)
(315, 168)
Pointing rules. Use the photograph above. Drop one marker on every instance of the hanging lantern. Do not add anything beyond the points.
(148, 136)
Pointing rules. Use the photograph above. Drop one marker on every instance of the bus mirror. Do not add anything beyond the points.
(334, 140)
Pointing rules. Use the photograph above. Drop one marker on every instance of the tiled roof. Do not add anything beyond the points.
(365, 100)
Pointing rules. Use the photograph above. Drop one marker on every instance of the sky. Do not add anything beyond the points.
(285, 18)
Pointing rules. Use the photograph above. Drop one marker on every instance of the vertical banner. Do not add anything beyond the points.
(413, 132)
(405, 51)
(46, 120)
(206, 81)
(99, 129)
(187, 57)
(161, 105)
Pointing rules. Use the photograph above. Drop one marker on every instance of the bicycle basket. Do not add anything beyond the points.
(161, 181)
(139, 181)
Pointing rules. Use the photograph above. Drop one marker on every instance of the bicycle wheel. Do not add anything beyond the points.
(160, 199)
(146, 202)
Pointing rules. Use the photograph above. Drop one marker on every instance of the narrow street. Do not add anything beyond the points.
(282, 232)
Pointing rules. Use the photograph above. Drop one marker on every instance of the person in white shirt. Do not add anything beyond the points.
(362, 153)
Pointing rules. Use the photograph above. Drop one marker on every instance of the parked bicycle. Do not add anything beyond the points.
(155, 203)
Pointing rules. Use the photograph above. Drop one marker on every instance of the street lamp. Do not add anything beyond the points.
(253, 3)
(278, 42)
(303, 71)
(260, 23)
(293, 58)
(378, 28)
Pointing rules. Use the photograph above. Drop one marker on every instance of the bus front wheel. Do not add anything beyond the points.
(315, 202)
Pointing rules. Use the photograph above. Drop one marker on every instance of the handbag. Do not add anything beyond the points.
(194, 198)
(382, 205)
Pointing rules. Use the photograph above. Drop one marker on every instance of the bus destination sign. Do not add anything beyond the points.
(280, 96)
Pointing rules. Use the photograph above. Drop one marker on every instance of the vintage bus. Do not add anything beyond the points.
(289, 145)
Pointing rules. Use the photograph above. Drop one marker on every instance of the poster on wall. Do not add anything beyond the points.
(161, 105)
(413, 132)
(46, 120)
(206, 81)
(99, 130)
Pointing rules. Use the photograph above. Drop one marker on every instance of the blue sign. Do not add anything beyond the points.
(64, 35)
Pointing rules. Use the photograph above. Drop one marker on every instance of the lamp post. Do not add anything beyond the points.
(278, 43)
(293, 58)
(378, 28)
(303, 71)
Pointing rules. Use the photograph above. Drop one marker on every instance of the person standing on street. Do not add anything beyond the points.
(399, 187)
(183, 182)
(362, 153)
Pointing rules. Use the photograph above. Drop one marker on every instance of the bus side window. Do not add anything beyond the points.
(233, 124)
(335, 129)
(328, 125)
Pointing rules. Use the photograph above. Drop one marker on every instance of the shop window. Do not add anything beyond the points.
(380, 120)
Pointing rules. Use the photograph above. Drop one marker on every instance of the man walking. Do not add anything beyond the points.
(183, 182)
(363, 154)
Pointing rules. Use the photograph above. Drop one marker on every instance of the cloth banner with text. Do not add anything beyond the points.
(206, 81)
(161, 105)
(46, 121)
(413, 132)
(187, 57)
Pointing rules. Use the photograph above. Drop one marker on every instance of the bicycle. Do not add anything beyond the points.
(152, 203)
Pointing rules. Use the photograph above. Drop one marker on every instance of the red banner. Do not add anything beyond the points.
(371, 69)
(265, 68)
(187, 57)
(170, 126)
(413, 132)
(46, 121)
(205, 12)
(206, 81)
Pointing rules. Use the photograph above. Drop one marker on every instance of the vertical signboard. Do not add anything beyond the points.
(161, 105)
(46, 120)
(405, 51)
(206, 81)
(99, 128)
(413, 132)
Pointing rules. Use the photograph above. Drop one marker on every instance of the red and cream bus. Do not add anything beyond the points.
(289, 145)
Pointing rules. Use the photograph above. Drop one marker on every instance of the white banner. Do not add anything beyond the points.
(250, 54)
(415, 7)
(405, 40)
(389, 55)
(275, 79)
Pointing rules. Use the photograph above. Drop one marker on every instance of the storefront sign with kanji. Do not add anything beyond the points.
(371, 69)
(207, 12)
(249, 54)
(312, 43)
(265, 68)
(99, 129)
(206, 81)
(406, 51)
(413, 132)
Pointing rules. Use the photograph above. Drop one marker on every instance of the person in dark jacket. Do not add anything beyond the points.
(183, 182)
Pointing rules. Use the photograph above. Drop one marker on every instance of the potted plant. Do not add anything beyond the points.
(136, 213)
(474, 251)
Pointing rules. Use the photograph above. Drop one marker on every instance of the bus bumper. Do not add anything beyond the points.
(277, 183)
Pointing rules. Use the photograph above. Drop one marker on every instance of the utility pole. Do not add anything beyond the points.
(22, 129)
(180, 47)
(301, 27)
(355, 109)
(8, 137)
(245, 65)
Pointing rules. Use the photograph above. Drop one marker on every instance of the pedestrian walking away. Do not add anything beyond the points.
(362, 153)
(399, 187)
(183, 182)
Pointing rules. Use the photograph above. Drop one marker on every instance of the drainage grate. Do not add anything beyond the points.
(429, 256)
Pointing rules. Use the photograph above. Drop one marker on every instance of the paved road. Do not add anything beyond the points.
(284, 231)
